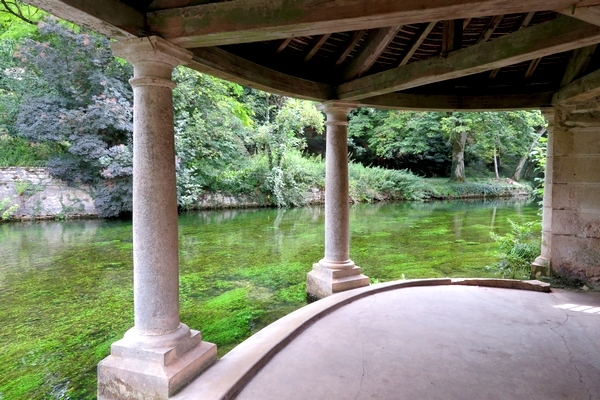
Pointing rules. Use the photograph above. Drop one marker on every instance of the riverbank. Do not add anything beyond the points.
(32, 194)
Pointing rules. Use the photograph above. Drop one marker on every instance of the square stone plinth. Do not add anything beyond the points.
(322, 282)
(134, 374)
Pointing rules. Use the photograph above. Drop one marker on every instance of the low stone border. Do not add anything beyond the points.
(228, 375)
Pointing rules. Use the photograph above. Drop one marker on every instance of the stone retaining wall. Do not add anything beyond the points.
(31, 193)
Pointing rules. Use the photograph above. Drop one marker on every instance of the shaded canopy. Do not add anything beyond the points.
(422, 55)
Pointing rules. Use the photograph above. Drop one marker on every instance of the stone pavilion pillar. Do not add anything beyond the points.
(541, 265)
(336, 272)
(575, 244)
(159, 354)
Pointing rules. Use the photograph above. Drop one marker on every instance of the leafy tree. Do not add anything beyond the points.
(406, 139)
(211, 131)
(79, 97)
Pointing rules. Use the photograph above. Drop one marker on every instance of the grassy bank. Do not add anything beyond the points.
(287, 185)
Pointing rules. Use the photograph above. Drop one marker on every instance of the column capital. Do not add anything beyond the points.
(337, 111)
(151, 49)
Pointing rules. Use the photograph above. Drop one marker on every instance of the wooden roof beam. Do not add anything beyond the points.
(589, 14)
(232, 22)
(524, 23)
(582, 89)
(224, 65)
(375, 44)
(108, 17)
(533, 64)
(284, 43)
(490, 28)
(425, 31)
(318, 44)
(577, 64)
(350, 46)
(551, 37)
(452, 36)
(484, 102)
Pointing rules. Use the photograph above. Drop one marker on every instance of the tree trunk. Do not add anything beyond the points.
(458, 157)
(496, 164)
(523, 160)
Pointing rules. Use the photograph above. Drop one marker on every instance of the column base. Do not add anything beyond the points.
(138, 370)
(322, 282)
(540, 267)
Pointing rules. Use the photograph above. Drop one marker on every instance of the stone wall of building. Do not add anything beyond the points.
(575, 245)
(31, 193)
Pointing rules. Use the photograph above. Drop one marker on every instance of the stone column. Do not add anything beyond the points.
(575, 244)
(541, 266)
(336, 272)
(159, 354)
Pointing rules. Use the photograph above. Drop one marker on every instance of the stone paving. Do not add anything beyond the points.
(436, 342)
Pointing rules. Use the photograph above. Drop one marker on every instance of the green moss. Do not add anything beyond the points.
(66, 287)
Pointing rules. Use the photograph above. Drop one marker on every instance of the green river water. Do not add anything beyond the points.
(66, 287)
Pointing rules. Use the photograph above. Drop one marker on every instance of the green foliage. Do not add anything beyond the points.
(78, 98)
(368, 184)
(7, 209)
(424, 141)
(518, 249)
(19, 152)
(211, 130)
(443, 189)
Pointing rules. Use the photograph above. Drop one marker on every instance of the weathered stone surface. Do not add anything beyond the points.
(38, 195)
(575, 242)
(336, 272)
(159, 354)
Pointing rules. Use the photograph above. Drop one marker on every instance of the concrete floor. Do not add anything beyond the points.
(442, 342)
(431, 342)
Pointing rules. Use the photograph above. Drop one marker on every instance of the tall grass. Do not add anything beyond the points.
(19, 152)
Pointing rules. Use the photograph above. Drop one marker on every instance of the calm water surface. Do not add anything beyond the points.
(66, 291)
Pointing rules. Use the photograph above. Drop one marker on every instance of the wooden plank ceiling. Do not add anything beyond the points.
(422, 54)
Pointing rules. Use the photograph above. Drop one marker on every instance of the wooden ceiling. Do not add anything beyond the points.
(422, 54)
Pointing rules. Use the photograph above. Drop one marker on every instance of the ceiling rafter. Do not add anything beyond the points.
(110, 17)
(375, 44)
(222, 64)
(490, 28)
(577, 64)
(234, 22)
(526, 21)
(283, 45)
(551, 37)
(472, 102)
(320, 41)
(425, 31)
(582, 89)
(350, 46)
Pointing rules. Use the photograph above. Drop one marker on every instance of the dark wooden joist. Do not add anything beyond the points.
(375, 44)
(232, 22)
(414, 46)
(551, 37)
(490, 28)
(452, 36)
(319, 42)
(483, 102)
(284, 43)
(524, 24)
(533, 64)
(582, 89)
(589, 14)
(577, 64)
(356, 36)
(109, 17)
(224, 65)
